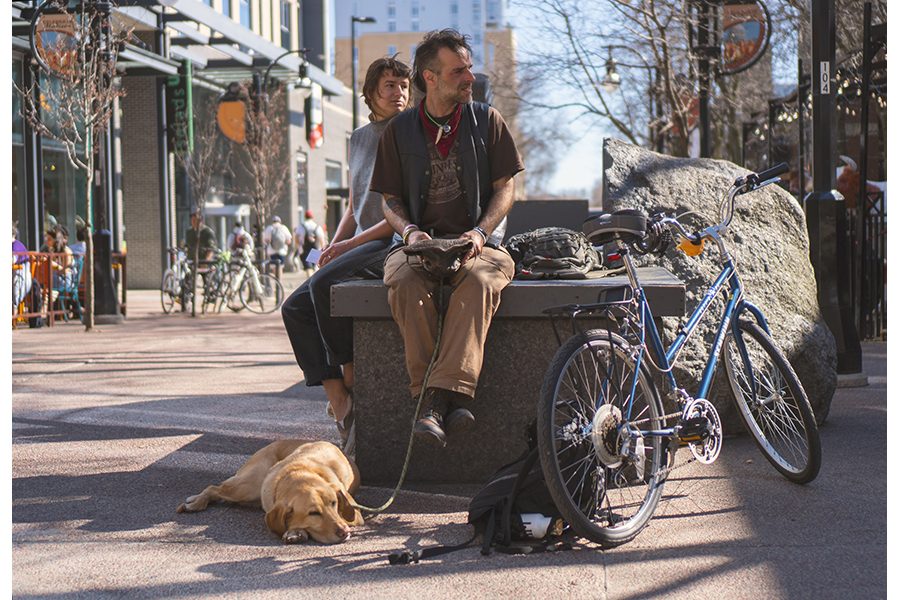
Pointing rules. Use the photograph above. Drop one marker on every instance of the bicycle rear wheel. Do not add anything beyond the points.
(168, 291)
(605, 477)
(264, 299)
(772, 403)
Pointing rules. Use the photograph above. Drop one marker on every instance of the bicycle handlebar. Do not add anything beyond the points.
(742, 185)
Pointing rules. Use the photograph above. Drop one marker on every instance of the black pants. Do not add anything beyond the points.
(321, 342)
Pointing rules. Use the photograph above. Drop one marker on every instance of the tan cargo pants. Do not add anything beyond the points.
(475, 299)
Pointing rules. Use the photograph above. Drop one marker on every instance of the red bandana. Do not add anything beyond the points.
(431, 130)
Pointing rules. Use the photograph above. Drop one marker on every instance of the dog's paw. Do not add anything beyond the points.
(192, 504)
(295, 536)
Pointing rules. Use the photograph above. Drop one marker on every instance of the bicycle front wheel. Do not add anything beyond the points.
(263, 295)
(168, 291)
(772, 403)
(605, 476)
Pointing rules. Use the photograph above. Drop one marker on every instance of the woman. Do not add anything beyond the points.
(323, 345)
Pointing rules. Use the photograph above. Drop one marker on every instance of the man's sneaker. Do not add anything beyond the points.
(458, 420)
(430, 427)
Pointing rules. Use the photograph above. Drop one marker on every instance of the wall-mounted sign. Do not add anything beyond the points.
(745, 35)
(315, 129)
(180, 111)
(56, 41)
(825, 77)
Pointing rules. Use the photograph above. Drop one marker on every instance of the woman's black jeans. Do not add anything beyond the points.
(323, 343)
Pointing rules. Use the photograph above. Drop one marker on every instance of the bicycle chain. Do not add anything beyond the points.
(667, 470)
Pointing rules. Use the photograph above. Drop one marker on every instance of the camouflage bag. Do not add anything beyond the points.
(552, 253)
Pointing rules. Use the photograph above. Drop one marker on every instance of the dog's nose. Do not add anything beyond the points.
(343, 533)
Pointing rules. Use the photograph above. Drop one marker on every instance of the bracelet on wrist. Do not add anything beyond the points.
(408, 230)
(482, 232)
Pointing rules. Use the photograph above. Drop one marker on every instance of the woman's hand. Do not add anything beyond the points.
(334, 250)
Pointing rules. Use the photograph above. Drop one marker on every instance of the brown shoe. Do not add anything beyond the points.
(430, 427)
(458, 419)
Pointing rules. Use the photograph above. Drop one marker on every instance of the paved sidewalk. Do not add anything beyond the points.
(111, 430)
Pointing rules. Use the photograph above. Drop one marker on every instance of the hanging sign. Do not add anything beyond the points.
(315, 129)
(745, 35)
(231, 113)
(57, 43)
(180, 111)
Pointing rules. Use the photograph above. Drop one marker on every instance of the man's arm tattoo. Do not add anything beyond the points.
(499, 205)
(395, 212)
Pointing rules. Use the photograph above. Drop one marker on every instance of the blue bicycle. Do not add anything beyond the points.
(606, 443)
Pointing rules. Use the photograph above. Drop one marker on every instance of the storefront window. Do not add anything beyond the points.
(64, 197)
(18, 154)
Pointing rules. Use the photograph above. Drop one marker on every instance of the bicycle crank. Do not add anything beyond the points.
(701, 428)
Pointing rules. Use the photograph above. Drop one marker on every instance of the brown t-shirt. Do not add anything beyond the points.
(387, 177)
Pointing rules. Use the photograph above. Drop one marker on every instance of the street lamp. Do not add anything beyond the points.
(612, 79)
(301, 71)
(353, 21)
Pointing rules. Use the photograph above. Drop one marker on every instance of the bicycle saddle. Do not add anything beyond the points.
(628, 225)
(440, 258)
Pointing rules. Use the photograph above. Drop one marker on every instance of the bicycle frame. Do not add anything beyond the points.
(735, 305)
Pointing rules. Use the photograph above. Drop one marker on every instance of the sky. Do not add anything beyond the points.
(580, 164)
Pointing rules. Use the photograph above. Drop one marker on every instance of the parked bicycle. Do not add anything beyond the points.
(606, 443)
(234, 281)
(177, 282)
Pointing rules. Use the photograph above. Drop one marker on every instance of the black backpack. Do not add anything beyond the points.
(497, 510)
(513, 491)
(36, 300)
(552, 253)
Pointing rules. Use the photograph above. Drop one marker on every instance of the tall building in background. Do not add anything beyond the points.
(399, 27)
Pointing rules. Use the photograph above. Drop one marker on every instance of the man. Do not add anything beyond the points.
(277, 239)
(446, 170)
(202, 234)
(240, 238)
(323, 345)
(309, 236)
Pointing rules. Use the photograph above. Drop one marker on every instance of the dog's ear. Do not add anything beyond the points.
(346, 510)
(277, 518)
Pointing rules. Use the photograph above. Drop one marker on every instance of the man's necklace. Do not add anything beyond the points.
(443, 128)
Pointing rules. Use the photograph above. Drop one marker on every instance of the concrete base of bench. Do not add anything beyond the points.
(520, 347)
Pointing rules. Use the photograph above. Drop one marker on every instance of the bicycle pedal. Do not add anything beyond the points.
(694, 429)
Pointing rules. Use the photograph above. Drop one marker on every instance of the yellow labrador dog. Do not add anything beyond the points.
(303, 487)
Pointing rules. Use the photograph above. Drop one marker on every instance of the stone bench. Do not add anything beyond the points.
(519, 349)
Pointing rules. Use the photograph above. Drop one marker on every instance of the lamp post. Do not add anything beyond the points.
(612, 80)
(353, 21)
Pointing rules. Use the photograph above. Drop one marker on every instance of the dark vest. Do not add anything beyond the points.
(476, 169)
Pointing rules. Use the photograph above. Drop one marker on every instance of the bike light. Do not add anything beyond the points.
(690, 248)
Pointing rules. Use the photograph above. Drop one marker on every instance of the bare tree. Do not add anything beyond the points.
(75, 102)
(647, 39)
(201, 165)
(262, 156)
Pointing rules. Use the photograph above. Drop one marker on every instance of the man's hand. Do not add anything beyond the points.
(334, 250)
(477, 244)
(417, 236)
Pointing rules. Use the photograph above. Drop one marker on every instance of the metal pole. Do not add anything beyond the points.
(353, 61)
(34, 163)
(863, 305)
(703, 76)
(826, 211)
(163, 146)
